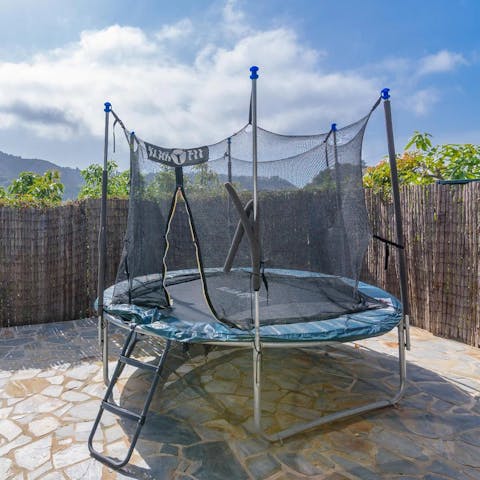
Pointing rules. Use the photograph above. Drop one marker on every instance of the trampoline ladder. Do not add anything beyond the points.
(139, 418)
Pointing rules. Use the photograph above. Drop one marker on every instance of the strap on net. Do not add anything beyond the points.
(387, 250)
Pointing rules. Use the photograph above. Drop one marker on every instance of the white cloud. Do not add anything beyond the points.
(110, 45)
(443, 61)
(234, 21)
(181, 29)
(173, 101)
(409, 80)
(60, 93)
(422, 101)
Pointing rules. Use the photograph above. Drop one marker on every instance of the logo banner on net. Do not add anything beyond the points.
(177, 157)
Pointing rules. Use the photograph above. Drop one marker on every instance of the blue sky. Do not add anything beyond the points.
(177, 72)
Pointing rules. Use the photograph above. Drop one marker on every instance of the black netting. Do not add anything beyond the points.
(312, 220)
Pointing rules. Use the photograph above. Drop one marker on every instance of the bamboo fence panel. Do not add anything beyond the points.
(441, 232)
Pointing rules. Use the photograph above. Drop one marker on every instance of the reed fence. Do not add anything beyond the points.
(442, 241)
(48, 258)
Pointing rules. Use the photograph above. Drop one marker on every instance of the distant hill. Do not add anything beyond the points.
(11, 166)
(264, 183)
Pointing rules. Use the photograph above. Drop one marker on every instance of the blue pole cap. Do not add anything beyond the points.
(385, 93)
(334, 127)
(108, 107)
(254, 71)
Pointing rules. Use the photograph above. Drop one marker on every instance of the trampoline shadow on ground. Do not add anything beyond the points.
(203, 413)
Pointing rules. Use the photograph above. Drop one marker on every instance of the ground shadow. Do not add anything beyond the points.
(200, 422)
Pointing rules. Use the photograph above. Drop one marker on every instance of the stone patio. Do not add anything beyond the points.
(200, 422)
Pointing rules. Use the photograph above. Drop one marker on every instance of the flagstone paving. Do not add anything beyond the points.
(200, 423)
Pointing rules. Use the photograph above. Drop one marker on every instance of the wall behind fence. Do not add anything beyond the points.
(48, 258)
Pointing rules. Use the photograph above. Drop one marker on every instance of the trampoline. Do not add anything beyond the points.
(257, 241)
(189, 319)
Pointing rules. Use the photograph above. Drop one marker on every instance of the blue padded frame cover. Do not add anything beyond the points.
(346, 328)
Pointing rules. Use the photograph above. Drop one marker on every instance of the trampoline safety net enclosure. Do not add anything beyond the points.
(302, 250)
(255, 241)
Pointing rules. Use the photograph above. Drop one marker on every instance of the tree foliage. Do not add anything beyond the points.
(327, 179)
(118, 182)
(33, 189)
(163, 184)
(205, 180)
(423, 163)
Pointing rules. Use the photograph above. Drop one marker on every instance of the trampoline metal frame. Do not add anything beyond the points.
(257, 377)
(257, 345)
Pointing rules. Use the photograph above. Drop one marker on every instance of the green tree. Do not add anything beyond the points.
(35, 189)
(162, 185)
(326, 179)
(205, 179)
(423, 163)
(118, 182)
(446, 162)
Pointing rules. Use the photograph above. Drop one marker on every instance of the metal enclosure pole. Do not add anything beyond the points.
(229, 202)
(102, 252)
(337, 166)
(257, 348)
(344, 260)
(229, 154)
(254, 77)
(398, 216)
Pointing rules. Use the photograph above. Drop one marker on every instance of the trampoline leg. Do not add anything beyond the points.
(257, 389)
(402, 362)
(104, 347)
(257, 367)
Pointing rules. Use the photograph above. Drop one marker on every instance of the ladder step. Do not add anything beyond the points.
(137, 363)
(122, 412)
